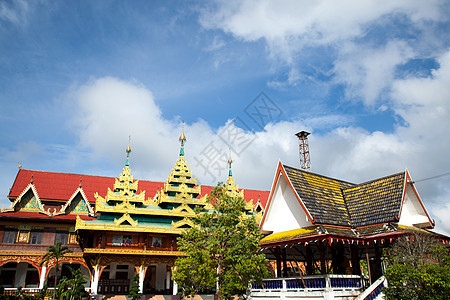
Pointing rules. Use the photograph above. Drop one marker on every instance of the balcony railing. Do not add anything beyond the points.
(329, 286)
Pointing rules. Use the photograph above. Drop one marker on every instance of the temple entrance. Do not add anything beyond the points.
(116, 279)
(22, 274)
(150, 280)
(64, 272)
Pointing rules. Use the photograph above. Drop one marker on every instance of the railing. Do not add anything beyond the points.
(13, 291)
(312, 282)
(374, 290)
(328, 286)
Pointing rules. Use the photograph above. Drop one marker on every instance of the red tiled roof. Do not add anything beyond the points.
(61, 186)
(248, 194)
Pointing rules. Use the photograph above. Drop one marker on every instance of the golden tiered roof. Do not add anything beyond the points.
(123, 209)
(233, 191)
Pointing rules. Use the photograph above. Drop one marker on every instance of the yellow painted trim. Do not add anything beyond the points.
(133, 252)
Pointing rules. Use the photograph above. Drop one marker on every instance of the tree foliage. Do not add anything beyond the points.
(55, 252)
(134, 293)
(221, 249)
(72, 288)
(418, 268)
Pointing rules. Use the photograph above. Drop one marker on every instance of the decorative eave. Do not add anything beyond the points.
(80, 191)
(126, 218)
(164, 198)
(40, 208)
(83, 225)
(133, 252)
(133, 210)
(185, 221)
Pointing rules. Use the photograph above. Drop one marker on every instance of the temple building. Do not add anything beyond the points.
(319, 230)
(115, 227)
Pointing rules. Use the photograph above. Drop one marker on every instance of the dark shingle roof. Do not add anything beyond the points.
(336, 202)
(322, 196)
(377, 201)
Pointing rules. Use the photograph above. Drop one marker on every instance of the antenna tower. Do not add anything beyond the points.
(303, 146)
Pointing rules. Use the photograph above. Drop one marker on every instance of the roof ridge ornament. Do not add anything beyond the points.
(128, 150)
(182, 140)
(230, 161)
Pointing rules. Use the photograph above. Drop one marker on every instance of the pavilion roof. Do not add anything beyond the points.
(329, 232)
(340, 203)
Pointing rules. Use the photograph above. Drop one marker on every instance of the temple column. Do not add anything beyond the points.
(42, 278)
(377, 273)
(175, 285)
(356, 267)
(168, 279)
(285, 267)
(309, 260)
(278, 257)
(142, 270)
(322, 250)
(94, 280)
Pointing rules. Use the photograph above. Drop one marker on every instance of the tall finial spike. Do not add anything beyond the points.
(128, 150)
(229, 165)
(182, 140)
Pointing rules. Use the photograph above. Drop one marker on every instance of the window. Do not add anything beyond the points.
(61, 237)
(35, 237)
(122, 240)
(10, 237)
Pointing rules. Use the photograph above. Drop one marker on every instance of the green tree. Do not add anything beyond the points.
(221, 249)
(134, 289)
(55, 252)
(72, 288)
(418, 268)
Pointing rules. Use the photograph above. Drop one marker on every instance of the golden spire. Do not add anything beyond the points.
(182, 140)
(128, 150)
(229, 166)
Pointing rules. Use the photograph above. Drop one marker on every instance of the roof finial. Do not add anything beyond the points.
(32, 179)
(182, 139)
(20, 165)
(230, 174)
(128, 150)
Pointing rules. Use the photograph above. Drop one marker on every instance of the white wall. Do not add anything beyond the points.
(285, 212)
(412, 212)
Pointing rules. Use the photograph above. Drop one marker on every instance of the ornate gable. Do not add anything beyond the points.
(28, 200)
(77, 204)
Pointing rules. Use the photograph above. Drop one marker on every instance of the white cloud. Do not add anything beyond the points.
(368, 72)
(365, 66)
(289, 25)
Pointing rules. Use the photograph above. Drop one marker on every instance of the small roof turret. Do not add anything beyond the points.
(182, 140)
(128, 150)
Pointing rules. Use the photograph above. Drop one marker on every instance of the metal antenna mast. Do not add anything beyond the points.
(305, 160)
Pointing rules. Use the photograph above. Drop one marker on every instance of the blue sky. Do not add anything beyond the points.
(369, 79)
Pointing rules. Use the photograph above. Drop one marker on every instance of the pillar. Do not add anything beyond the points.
(377, 273)
(142, 270)
(356, 267)
(278, 257)
(42, 278)
(309, 260)
(175, 285)
(322, 249)
(285, 267)
(168, 279)
(94, 280)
